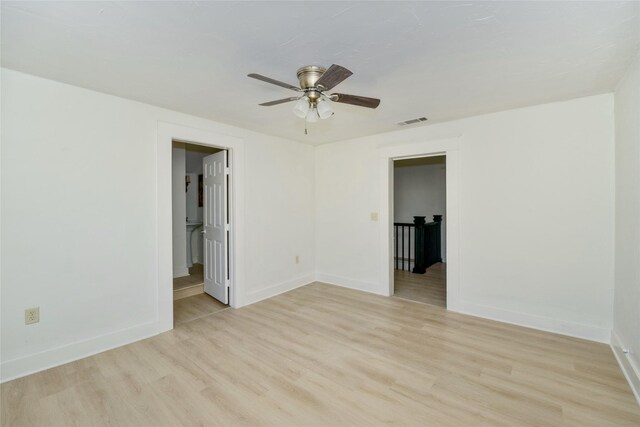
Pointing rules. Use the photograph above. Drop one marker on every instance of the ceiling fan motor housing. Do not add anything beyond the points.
(314, 82)
(308, 76)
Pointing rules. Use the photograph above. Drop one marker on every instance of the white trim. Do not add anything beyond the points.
(20, 367)
(345, 282)
(167, 133)
(449, 148)
(180, 272)
(278, 289)
(629, 368)
(547, 324)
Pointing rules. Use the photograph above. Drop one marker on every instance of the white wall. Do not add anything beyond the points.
(420, 190)
(191, 199)
(540, 245)
(536, 213)
(84, 247)
(194, 213)
(626, 325)
(179, 211)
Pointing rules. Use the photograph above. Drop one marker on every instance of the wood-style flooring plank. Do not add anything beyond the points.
(322, 355)
(428, 288)
(196, 306)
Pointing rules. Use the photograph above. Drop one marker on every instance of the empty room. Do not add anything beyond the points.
(320, 213)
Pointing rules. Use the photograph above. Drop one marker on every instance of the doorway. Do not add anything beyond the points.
(200, 229)
(167, 133)
(406, 150)
(419, 229)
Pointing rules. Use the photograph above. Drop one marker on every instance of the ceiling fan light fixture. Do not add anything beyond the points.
(312, 103)
(324, 109)
(301, 108)
(312, 115)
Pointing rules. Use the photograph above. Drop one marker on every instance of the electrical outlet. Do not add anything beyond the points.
(297, 259)
(31, 315)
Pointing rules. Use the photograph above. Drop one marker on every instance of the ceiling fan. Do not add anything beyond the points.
(312, 101)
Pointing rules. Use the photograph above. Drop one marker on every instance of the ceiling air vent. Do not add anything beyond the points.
(413, 121)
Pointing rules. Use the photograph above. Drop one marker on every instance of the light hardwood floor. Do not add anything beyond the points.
(428, 288)
(194, 307)
(327, 356)
(195, 277)
(188, 286)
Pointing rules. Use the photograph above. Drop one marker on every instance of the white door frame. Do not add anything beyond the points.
(167, 133)
(387, 155)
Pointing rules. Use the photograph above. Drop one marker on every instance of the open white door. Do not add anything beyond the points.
(215, 226)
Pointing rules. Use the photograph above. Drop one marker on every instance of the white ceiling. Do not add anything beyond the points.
(442, 60)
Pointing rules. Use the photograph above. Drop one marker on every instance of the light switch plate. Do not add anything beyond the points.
(374, 216)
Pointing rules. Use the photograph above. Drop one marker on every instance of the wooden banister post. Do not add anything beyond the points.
(438, 255)
(419, 259)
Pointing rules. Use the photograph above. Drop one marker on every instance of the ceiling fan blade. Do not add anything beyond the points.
(333, 76)
(279, 101)
(360, 101)
(273, 82)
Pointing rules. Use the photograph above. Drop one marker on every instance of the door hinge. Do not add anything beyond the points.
(226, 171)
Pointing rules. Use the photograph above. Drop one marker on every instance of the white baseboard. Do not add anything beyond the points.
(630, 370)
(577, 330)
(277, 289)
(180, 272)
(562, 327)
(350, 283)
(558, 326)
(16, 368)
